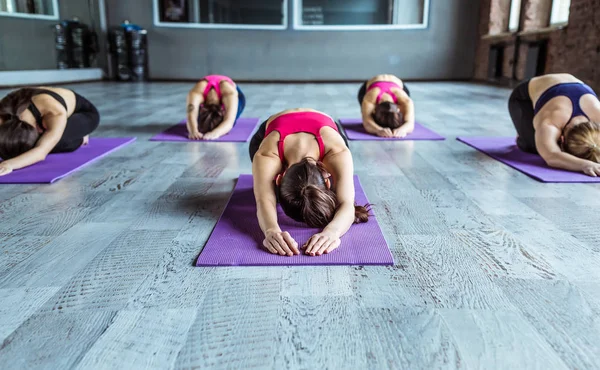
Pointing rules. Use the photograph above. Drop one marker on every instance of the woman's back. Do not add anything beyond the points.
(300, 141)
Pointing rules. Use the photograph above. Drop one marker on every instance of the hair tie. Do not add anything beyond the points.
(302, 191)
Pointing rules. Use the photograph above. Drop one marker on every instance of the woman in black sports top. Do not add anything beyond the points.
(37, 121)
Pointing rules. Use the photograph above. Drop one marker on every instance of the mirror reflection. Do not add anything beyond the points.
(28, 7)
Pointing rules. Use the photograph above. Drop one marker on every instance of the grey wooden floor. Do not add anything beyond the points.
(494, 269)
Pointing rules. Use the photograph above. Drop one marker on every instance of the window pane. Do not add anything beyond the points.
(42, 7)
(560, 11)
(515, 13)
(241, 12)
(361, 12)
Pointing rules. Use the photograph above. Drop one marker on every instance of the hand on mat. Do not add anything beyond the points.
(323, 242)
(385, 132)
(195, 135)
(86, 140)
(592, 169)
(398, 133)
(212, 135)
(5, 169)
(279, 242)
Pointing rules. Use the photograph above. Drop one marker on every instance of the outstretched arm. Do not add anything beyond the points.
(369, 123)
(56, 124)
(230, 101)
(408, 109)
(194, 99)
(264, 169)
(546, 143)
(342, 169)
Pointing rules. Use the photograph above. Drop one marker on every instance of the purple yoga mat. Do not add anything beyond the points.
(239, 133)
(57, 166)
(506, 151)
(355, 131)
(237, 238)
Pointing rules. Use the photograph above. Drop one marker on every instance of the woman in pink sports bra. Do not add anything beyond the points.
(386, 107)
(300, 158)
(213, 106)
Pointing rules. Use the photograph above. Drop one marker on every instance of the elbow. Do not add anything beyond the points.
(38, 155)
(346, 207)
(228, 126)
(369, 129)
(553, 161)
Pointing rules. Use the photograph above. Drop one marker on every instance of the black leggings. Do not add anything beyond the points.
(82, 122)
(520, 108)
(259, 136)
(363, 91)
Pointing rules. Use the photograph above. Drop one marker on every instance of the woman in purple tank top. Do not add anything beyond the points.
(558, 117)
(386, 106)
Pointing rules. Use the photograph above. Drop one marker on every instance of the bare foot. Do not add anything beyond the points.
(86, 140)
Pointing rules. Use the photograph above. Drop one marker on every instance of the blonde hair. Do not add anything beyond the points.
(583, 141)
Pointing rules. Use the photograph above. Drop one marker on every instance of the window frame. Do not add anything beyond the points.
(53, 17)
(297, 23)
(510, 13)
(559, 24)
(227, 26)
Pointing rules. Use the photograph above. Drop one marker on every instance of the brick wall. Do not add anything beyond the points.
(494, 17)
(498, 16)
(483, 46)
(536, 14)
(508, 61)
(574, 49)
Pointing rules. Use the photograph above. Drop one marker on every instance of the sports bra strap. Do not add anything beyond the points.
(295, 122)
(56, 97)
(214, 82)
(571, 90)
(385, 87)
(36, 112)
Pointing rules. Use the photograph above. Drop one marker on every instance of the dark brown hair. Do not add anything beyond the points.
(16, 136)
(304, 196)
(211, 116)
(583, 141)
(388, 114)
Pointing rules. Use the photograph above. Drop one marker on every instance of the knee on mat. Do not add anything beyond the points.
(68, 147)
(521, 144)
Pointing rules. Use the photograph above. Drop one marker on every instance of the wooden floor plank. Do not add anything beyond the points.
(64, 257)
(550, 306)
(499, 340)
(146, 339)
(236, 327)
(19, 304)
(53, 340)
(407, 339)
